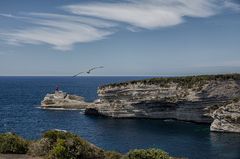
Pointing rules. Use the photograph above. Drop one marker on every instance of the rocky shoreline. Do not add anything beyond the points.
(212, 99)
(226, 118)
(64, 100)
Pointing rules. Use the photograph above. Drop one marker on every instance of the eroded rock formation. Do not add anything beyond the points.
(196, 98)
(63, 100)
(227, 118)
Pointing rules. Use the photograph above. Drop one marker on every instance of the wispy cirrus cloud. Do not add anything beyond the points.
(231, 5)
(147, 14)
(60, 31)
(86, 22)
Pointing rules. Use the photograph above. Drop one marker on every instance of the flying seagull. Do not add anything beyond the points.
(89, 71)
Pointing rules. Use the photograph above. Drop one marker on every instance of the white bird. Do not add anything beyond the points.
(89, 71)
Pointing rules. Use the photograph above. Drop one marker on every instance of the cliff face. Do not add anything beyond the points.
(227, 118)
(184, 98)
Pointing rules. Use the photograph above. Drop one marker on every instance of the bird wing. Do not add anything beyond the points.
(94, 68)
(88, 71)
(78, 74)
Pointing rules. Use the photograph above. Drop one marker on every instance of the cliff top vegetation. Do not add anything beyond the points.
(184, 81)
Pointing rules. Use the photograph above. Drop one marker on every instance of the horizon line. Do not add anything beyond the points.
(190, 74)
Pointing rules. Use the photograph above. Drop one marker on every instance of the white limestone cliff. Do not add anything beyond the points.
(61, 99)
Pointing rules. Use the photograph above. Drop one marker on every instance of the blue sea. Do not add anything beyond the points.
(20, 113)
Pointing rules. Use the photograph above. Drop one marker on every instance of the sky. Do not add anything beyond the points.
(127, 37)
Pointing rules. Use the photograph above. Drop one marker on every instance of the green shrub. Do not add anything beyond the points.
(147, 154)
(183, 81)
(69, 146)
(54, 135)
(112, 155)
(59, 151)
(65, 145)
(11, 143)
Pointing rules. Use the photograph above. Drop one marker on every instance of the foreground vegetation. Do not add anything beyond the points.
(64, 145)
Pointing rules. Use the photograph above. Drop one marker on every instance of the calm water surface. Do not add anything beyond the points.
(20, 97)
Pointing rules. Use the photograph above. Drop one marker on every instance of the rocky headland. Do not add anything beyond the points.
(203, 99)
(64, 100)
(212, 99)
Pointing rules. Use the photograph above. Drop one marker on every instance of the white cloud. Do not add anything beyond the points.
(61, 38)
(147, 13)
(6, 15)
(231, 5)
(86, 22)
(60, 31)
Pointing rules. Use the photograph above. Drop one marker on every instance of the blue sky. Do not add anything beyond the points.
(128, 37)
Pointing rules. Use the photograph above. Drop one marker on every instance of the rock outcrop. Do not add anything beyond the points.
(192, 98)
(63, 100)
(227, 118)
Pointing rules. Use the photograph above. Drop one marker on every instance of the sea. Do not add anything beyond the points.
(20, 112)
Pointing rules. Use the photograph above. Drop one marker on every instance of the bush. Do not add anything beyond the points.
(112, 155)
(69, 146)
(184, 81)
(40, 147)
(54, 135)
(11, 143)
(64, 145)
(59, 151)
(147, 154)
